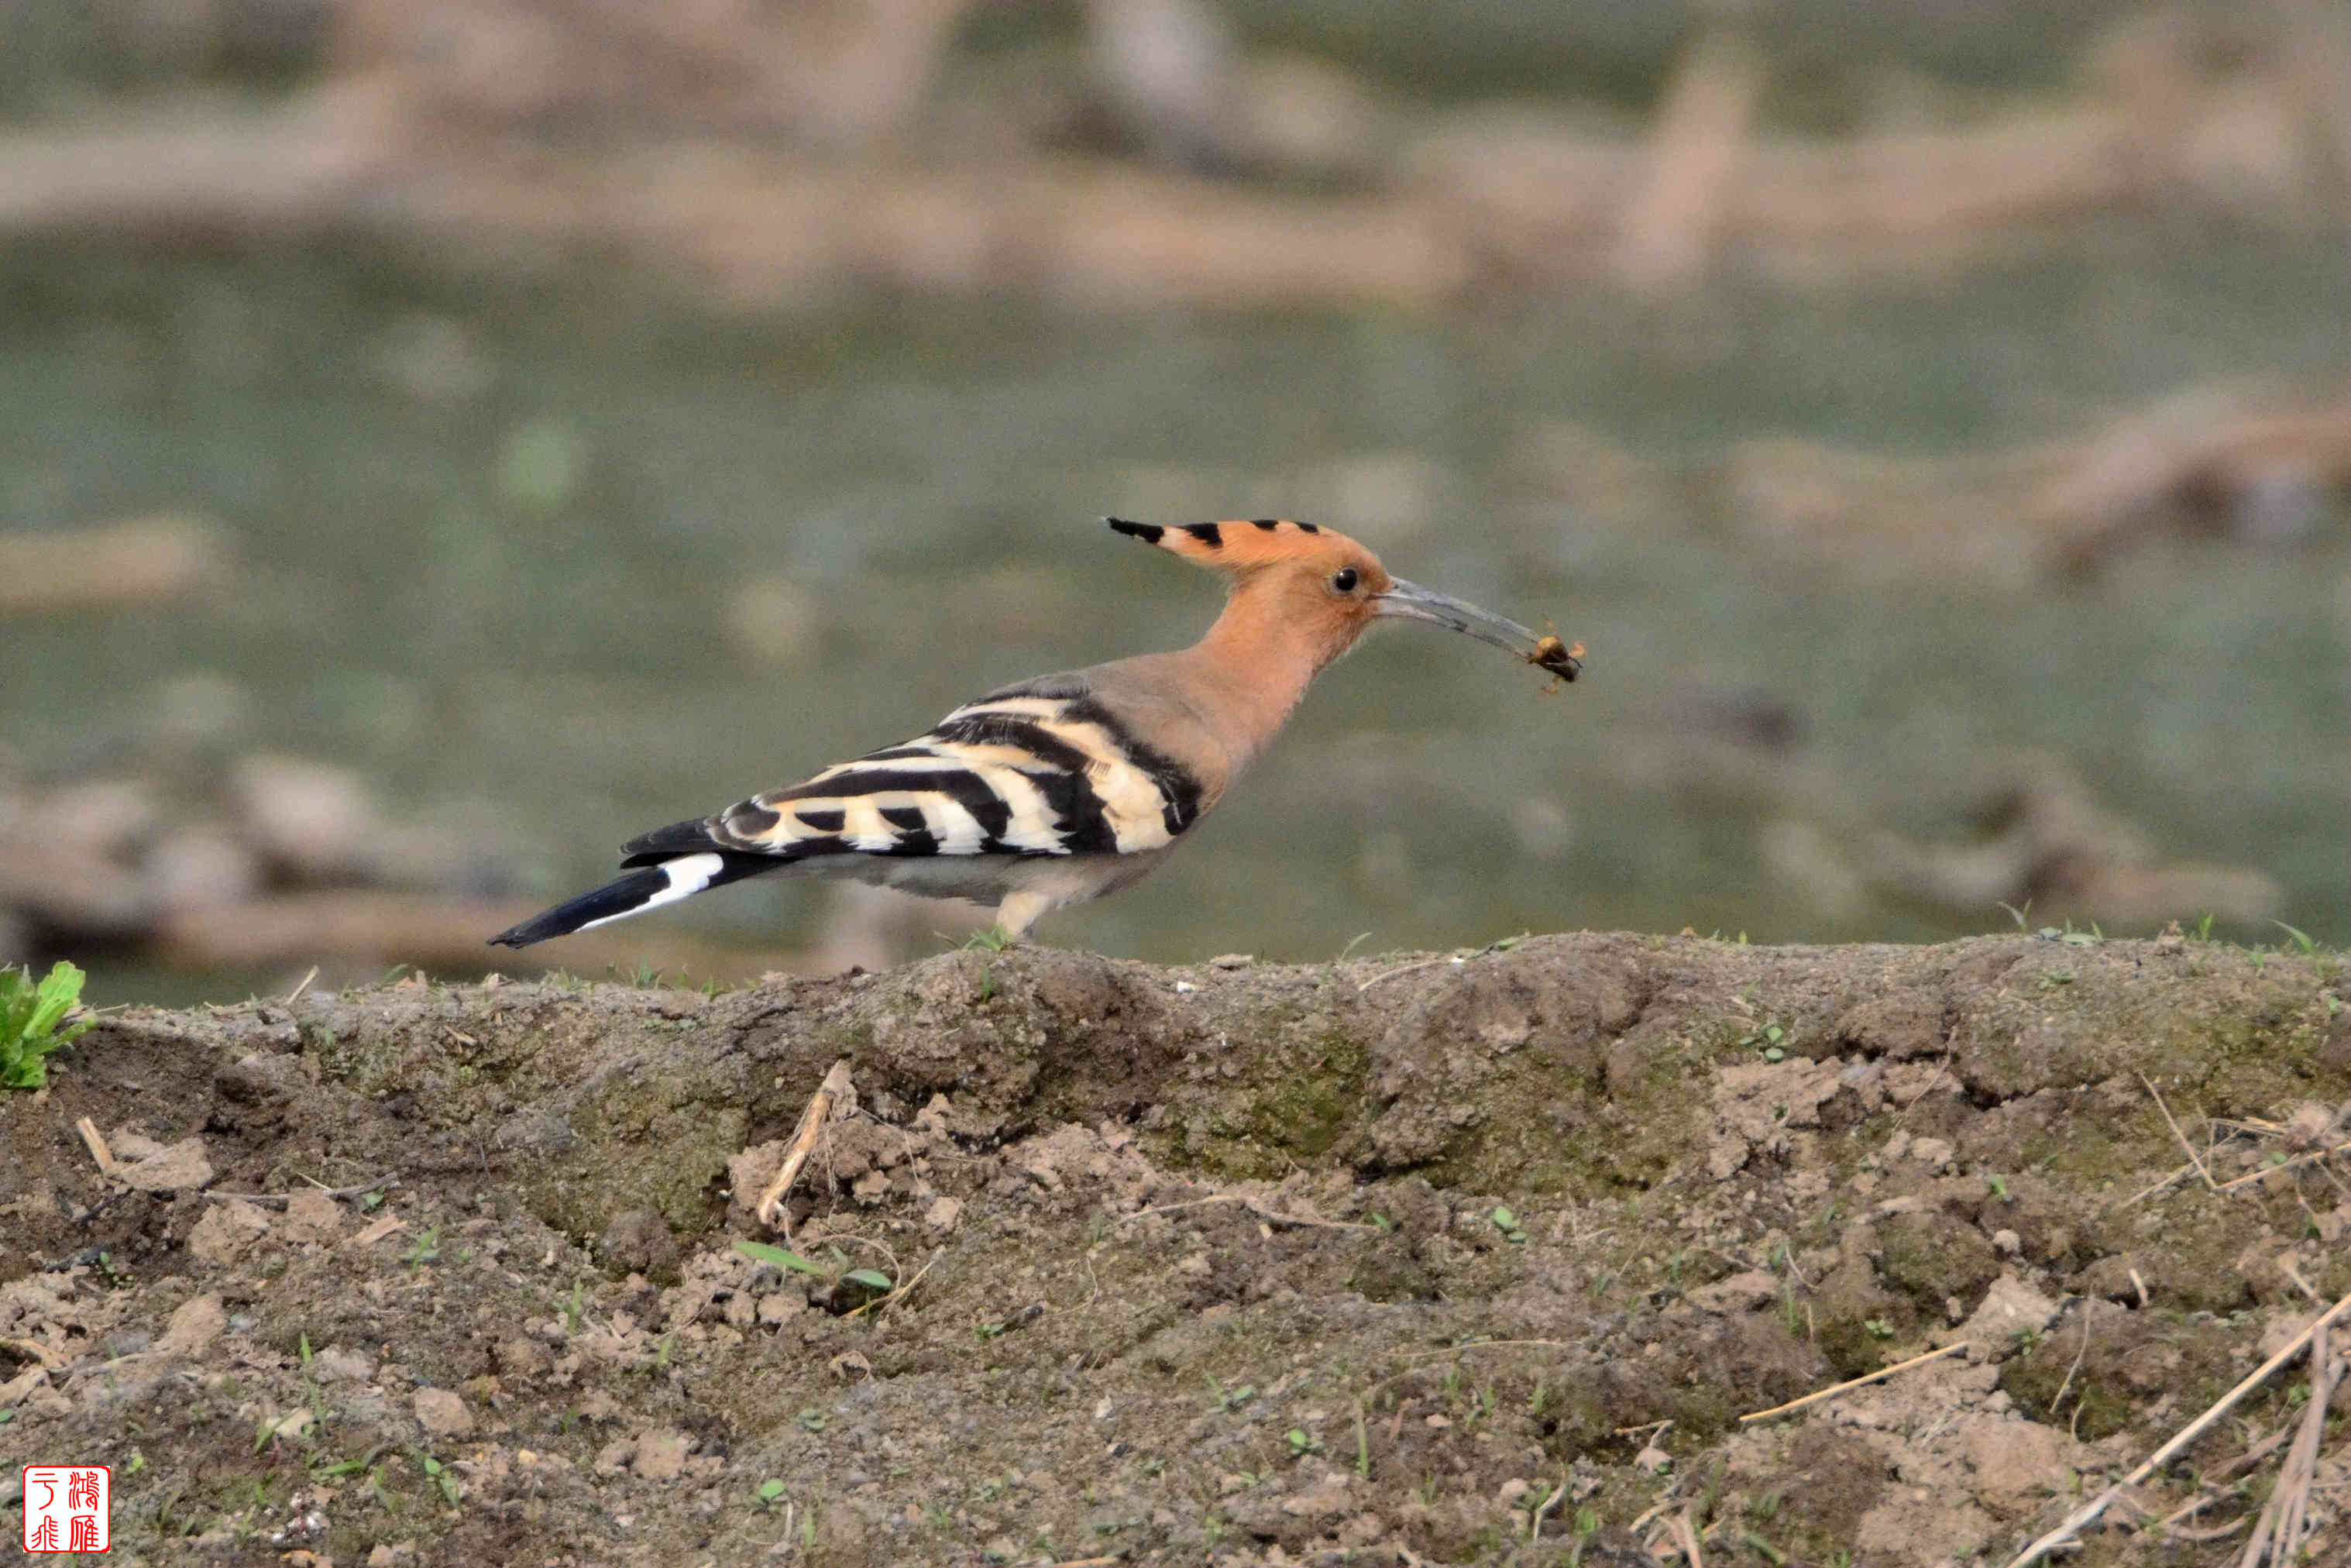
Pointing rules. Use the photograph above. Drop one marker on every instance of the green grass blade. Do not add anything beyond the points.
(759, 1251)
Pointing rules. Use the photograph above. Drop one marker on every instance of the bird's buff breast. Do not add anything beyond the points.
(991, 879)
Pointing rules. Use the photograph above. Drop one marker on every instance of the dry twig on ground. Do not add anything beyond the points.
(836, 1090)
(2087, 1514)
(1534, 1525)
(95, 1141)
(1270, 1216)
(2311, 1158)
(1882, 1373)
(278, 1199)
(2186, 1146)
(2278, 1532)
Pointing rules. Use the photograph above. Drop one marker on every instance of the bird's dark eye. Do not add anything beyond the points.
(1344, 580)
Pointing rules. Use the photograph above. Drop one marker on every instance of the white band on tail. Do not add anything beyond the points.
(688, 875)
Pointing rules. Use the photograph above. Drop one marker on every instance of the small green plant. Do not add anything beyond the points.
(1998, 1187)
(873, 1280)
(32, 1021)
(439, 1474)
(995, 939)
(427, 1248)
(1507, 1224)
(1302, 1442)
(770, 1492)
(1224, 1400)
(1878, 1328)
(318, 1400)
(1772, 1039)
(2302, 942)
(810, 1419)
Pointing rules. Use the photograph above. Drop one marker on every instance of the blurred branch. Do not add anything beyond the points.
(195, 169)
(1696, 158)
(749, 142)
(431, 931)
(2318, 38)
(140, 562)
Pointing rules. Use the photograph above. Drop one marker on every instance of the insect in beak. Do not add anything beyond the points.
(1410, 601)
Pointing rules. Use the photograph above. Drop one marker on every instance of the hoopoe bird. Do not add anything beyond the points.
(1068, 787)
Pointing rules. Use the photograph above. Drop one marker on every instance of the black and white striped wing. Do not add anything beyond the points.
(1013, 774)
(1037, 771)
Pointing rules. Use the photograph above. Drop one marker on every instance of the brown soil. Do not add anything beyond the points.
(1238, 1263)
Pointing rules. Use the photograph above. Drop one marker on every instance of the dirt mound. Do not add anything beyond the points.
(1462, 1259)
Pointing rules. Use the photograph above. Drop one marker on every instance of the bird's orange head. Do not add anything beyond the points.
(1318, 584)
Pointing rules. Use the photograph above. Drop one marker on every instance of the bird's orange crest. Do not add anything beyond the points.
(1239, 545)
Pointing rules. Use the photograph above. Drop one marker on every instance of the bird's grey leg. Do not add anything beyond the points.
(1019, 912)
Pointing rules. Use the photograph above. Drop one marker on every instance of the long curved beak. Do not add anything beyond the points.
(1410, 601)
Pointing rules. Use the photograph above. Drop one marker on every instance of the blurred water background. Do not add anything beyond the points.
(426, 461)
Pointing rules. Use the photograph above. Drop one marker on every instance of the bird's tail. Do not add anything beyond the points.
(649, 887)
